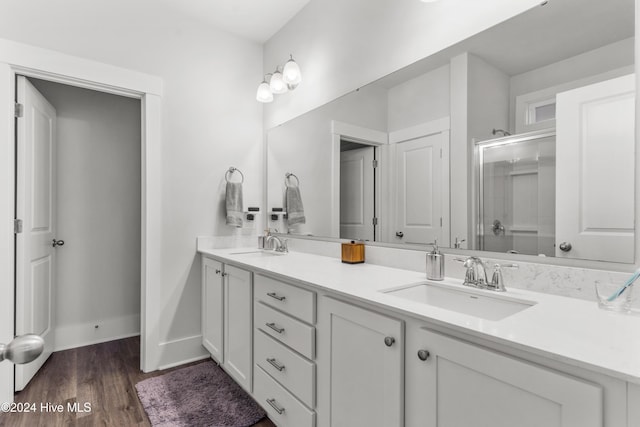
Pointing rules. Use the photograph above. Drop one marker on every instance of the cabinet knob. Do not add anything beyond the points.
(565, 246)
(56, 243)
(389, 341)
(218, 271)
(423, 355)
(225, 274)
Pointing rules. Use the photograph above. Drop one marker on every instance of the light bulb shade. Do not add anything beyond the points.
(291, 74)
(264, 93)
(277, 84)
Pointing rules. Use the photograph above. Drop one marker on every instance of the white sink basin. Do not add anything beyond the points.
(474, 302)
(258, 253)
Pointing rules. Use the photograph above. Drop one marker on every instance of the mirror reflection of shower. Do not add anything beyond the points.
(516, 193)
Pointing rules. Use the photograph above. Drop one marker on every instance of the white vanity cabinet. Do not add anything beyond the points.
(360, 366)
(451, 383)
(227, 318)
(284, 351)
(212, 307)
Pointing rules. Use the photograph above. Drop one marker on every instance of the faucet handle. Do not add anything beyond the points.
(497, 281)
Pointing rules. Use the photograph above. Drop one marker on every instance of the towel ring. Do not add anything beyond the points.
(287, 176)
(231, 170)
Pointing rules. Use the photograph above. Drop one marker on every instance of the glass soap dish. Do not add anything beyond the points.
(610, 298)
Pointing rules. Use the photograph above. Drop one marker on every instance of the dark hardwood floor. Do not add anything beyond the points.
(103, 375)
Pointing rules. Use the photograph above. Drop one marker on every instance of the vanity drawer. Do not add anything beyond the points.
(290, 369)
(295, 301)
(297, 335)
(283, 408)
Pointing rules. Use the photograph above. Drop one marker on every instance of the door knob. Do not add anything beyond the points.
(565, 246)
(22, 349)
(423, 355)
(57, 243)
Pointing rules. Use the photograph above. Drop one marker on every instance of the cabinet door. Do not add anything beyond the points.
(238, 324)
(212, 307)
(595, 157)
(360, 370)
(461, 384)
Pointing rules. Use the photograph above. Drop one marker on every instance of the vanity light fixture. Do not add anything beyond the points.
(291, 73)
(264, 93)
(279, 82)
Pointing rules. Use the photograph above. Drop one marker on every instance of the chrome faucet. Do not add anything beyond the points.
(280, 245)
(476, 274)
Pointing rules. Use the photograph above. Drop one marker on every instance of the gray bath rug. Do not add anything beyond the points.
(199, 395)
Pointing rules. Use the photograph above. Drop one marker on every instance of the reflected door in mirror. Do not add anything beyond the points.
(357, 194)
(422, 188)
(596, 157)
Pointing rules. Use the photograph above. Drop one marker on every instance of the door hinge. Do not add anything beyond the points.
(440, 221)
(441, 153)
(374, 163)
(18, 110)
(375, 221)
(17, 226)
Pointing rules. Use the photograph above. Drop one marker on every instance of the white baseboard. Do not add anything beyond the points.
(83, 334)
(181, 351)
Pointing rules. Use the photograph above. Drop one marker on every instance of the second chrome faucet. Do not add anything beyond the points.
(476, 274)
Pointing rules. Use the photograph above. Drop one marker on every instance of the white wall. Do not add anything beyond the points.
(419, 100)
(98, 268)
(210, 121)
(343, 45)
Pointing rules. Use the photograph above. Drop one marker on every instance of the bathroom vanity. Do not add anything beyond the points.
(366, 345)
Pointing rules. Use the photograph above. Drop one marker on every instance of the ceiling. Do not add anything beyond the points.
(543, 35)
(256, 20)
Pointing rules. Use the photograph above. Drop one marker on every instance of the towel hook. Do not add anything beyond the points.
(287, 176)
(231, 170)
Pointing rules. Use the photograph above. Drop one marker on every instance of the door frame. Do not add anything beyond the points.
(31, 61)
(361, 135)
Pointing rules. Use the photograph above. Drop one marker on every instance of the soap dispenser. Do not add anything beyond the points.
(435, 263)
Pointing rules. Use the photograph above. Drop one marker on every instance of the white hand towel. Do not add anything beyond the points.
(295, 210)
(234, 204)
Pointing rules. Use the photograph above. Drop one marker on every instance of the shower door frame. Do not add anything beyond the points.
(479, 147)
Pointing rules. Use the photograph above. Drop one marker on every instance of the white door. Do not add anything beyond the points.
(212, 308)
(595, 159)
(35, 206)
(357, 194)
(422, 190)
(360, 366)
(238, 325)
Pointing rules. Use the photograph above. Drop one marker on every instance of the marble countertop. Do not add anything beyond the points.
(573, 331)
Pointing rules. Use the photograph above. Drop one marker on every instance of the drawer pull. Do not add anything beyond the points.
(275, 406)
(273, 362)
(275, 328)
(276, 296)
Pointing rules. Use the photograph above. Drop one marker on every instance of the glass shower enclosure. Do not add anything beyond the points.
(515, 198)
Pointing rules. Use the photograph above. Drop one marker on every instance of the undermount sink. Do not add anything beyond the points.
(478, 303)
(258, 253)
